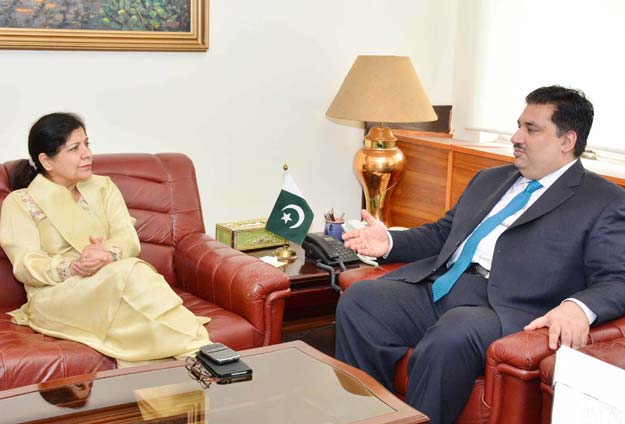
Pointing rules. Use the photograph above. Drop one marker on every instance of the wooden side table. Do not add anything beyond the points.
(310, 309)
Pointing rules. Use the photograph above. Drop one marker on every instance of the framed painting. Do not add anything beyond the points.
(139, 25)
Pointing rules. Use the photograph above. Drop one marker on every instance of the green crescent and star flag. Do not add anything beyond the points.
(291, 216)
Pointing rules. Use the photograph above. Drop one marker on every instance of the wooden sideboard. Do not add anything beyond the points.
(439, 169)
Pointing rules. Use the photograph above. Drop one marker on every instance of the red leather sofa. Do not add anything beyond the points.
(244, 296)
(509, 392)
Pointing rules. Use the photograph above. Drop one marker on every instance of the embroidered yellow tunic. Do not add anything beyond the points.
(126, 310)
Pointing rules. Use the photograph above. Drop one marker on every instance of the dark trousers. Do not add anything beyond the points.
(378, 321)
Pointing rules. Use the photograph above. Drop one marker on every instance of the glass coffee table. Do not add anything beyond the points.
(292, 383)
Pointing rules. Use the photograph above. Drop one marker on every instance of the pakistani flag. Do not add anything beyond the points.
(291, 216)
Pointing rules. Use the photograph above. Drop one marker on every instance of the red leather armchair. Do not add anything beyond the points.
(607, 344)
(244, 296)
(510, 390)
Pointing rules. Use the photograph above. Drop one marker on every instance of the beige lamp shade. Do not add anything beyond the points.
(382, 89)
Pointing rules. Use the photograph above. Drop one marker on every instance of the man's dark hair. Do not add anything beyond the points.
(573, 111)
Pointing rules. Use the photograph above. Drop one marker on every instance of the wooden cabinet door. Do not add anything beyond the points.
(464, 167)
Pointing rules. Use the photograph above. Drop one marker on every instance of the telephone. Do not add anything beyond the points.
(328, 250)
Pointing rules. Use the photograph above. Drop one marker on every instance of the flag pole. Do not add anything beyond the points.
(285, 253)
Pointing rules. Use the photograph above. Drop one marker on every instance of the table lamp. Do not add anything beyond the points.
(381, 89)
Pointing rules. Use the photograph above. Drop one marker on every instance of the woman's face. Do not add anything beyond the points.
(72, 163)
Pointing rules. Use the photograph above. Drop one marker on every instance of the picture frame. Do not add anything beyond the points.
(192, 37)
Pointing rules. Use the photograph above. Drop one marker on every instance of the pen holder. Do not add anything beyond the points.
(334, 229)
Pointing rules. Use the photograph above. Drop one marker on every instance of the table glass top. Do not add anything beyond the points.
(288, 386)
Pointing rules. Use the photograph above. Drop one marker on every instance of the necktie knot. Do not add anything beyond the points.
(532, 186)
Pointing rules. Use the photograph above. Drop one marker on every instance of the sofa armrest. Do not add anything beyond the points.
(349, 277)
(611, 351)
(233, 280)
(513, 367)
(512, 370)
(606, 342)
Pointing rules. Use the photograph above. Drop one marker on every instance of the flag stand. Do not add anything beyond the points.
(285, 253)
(290, 217)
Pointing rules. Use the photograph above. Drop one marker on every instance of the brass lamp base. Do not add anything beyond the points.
(285, 253)
(379, 166)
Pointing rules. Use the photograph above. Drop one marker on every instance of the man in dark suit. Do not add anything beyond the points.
(537, 244)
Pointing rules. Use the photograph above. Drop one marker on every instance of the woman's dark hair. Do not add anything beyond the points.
(47, 135)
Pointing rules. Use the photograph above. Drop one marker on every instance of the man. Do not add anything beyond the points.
(537, 244)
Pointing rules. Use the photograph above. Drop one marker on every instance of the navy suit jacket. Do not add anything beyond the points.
(569, 243)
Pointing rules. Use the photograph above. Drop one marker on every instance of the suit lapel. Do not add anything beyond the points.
(496, 193)
(64, 213)
(469, 223)
(558, 193)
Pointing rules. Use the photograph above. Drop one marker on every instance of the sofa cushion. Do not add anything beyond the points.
(225, 327)
(27, 357)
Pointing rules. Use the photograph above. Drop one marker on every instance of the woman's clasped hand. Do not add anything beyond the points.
(93, 257)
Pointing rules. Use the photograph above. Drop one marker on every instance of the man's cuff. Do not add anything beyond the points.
(390, 244)
(589, 314)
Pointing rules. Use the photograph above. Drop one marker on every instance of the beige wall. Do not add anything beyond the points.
(256, 99)
(507, 48)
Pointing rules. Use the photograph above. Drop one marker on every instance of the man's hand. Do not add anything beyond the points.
(371, 240)
(567, 324)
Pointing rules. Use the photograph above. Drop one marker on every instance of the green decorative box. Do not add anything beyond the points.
(247, 235)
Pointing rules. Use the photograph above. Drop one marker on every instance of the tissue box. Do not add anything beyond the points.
(247, 235)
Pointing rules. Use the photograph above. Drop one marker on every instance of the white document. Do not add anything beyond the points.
(587, 390)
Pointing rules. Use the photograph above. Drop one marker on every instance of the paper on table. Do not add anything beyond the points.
(587, 390)
(272, 260)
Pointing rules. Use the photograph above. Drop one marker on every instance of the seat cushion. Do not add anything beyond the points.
(225, 327)
(27, 357)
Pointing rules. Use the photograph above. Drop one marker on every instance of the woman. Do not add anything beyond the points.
(72, 243)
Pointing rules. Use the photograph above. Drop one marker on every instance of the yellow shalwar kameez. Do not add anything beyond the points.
(126, 310)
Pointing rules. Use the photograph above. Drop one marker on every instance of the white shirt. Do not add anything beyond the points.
(485, 249)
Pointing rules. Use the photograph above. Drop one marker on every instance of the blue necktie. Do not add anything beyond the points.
(445, 282)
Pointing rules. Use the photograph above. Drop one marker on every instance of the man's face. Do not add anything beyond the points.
(538, 151)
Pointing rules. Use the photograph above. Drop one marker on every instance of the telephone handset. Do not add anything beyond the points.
(328, 250)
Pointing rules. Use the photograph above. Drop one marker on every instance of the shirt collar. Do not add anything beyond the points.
(548, 180)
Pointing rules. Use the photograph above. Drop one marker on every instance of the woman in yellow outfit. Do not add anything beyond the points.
(72, 243)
